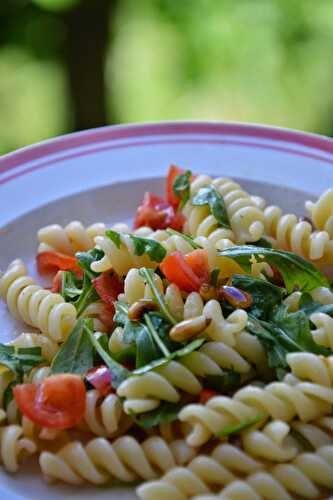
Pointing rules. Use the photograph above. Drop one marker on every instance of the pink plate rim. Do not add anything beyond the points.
(119, 132)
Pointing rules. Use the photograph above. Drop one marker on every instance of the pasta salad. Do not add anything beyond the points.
(192, 353)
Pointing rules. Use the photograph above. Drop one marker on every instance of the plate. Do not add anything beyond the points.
(101, 175)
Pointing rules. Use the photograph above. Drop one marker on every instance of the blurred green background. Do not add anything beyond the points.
(68, 65)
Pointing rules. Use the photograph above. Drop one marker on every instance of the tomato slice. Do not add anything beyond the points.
(172, 174)
(59, 402)
(100, 378)
(49, 261)
(57, 282)
(205, 395)
(108, 286)
(179, 271)
(157, 213)
(198, 262)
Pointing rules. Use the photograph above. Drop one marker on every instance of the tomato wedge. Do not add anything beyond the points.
(100, 378)
(198, 262)
(187, 272)
(205, 395)
(57, 282)
(49, 261)
(172, 174)
(108, 286)
(59, 402)
(157, 213)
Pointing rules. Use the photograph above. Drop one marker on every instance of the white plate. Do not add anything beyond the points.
(101, 175)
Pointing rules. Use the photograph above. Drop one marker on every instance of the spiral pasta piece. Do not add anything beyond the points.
(221, 467)
(104, 416)
(279, 400)
(13, 447)
(69, 239)
(288, 233)
(34, 305)
(125, 459)
(246, 218)
(321, 212)
(49, 347)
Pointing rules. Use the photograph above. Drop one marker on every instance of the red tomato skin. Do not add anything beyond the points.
(49, 261)
(198, 262)
(206, 395)
(157, 213)
(100, 378)
(188, 272)
(172, 174)
(108, 286)
(59, 402)
(177, 271)
(57, 283)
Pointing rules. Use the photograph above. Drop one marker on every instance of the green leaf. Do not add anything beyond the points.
(152, 248)
(114, 236)
(146, 348)
(71, 286)
(148, 276)
(214, 275)
(182, 187)
(142, 246)
(85, 259)
(209, 196)
(20, 360)
(185, 237)
(192, 346)
(224, 383)
(121, 314)
(87, 297)
(118, 372)
(310, 306)
(296, 271)
(77, 353)
(262, 243)
(234, 429)
(264, 294)
(166, 412)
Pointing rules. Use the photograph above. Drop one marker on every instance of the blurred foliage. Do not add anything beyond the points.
(262, 61)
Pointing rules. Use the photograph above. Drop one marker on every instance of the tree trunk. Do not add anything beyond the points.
(86, 42)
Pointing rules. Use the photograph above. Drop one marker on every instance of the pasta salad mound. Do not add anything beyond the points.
(192, 353)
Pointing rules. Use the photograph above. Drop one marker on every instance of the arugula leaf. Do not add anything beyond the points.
(262, 243)
(234, 429)
(209, 196)
(214, 275)
(182, 187)
(148, 275)
(309, 306)
(166, 412)
(114, 236)
(288, 333)
(85, 259)
(71, 286)
(77, 353)
(296, 271)
(152, 248)
(226, 382)
(185, 237)
(121, 314)
(142, 246)
(146, 348)
(264, 294)
(192, 346)
(20, 360)
(118, 372)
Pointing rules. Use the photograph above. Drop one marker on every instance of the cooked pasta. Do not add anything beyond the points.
(69, 239)
(125, 459)
(34, 305)
(191, 352)
(321, 212)
(246, 218)
(13, 446)
(290, 233)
